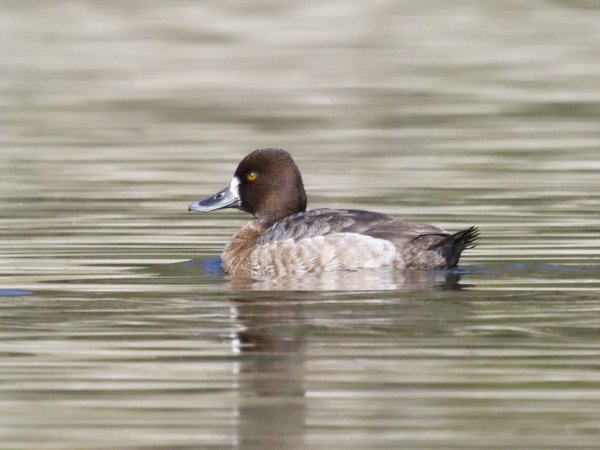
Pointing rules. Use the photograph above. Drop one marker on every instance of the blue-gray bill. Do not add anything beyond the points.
(227, 198)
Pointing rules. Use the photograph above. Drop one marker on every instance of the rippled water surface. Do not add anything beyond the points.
(117, 328)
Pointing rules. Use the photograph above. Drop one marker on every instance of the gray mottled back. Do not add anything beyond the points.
(322, 222)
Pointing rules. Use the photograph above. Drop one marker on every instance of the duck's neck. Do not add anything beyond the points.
(236, 255)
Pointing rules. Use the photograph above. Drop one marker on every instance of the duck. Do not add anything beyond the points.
(284, 238)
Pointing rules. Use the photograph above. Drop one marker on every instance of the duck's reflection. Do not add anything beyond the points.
(359, 280)
(271, 348)
(344, 280)
(270, 342)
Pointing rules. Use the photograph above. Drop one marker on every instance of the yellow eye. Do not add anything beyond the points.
(251, 176)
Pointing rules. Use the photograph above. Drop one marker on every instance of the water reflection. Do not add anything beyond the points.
(271, 347)
(346, 280)
(356, 280)
(282, 372)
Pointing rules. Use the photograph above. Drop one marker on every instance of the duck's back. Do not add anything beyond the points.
(334, 239)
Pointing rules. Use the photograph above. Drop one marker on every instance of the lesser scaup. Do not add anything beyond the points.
(285, 238)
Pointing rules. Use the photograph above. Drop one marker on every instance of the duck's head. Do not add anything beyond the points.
(266, 183)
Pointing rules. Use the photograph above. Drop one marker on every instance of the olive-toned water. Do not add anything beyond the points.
(117, 328)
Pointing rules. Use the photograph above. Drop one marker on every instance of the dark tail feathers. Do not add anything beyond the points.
(462, 240)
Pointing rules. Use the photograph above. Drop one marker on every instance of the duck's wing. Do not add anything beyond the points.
(322, 222)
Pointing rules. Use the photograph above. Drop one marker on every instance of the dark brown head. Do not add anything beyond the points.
(267, 184)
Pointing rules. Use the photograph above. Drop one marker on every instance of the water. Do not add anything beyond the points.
(117, 328)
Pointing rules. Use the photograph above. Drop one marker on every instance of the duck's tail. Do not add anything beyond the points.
(463, 239)
(452, 246)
